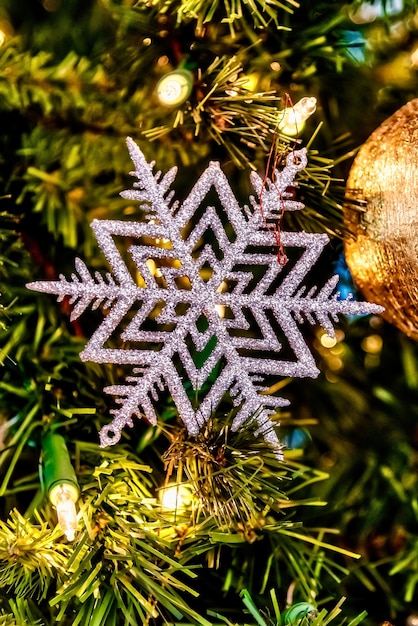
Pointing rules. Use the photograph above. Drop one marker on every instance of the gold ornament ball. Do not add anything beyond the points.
(381, 216)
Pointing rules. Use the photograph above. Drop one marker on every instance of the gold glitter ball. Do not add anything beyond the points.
(381, 214)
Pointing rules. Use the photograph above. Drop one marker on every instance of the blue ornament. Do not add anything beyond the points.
(354, 45)
(346, 286)
(297, 438)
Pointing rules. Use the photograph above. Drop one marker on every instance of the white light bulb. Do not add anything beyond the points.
(292, 119)
(6, 30)
(64, 497)
(174, 88)
(175, 497)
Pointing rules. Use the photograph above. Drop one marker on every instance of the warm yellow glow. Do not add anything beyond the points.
(364, 14)
(64, 497)
(292, 119)
(331, 377)
(220, 308)
(174, 88)
(175, 497)
(150, 263)
(375, 322)
(334, 363)
(275, 66)
(340, 335)
(338, 349)
(327, 341)
(251, 82)
(6, 31)
(414, 57)
(372, 344)
(51, 5)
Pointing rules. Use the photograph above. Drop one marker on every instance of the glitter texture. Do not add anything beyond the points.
(201, 300)
(381, 214)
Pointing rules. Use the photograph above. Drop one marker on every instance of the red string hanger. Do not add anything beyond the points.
(291, 120)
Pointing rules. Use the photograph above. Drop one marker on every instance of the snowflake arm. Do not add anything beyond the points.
(83, 290)
(189, 305)
(274, 197)
(150, 190)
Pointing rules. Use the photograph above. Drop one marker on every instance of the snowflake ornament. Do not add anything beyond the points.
(200, 299)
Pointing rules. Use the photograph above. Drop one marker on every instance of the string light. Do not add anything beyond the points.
(369, 11)
(292, 119)
(372, 344)
(174, 88)
(175, 497)
(60, 482)
(63, 498)
(6, 31)
(414, 57)
(328, 341)
(220, 308)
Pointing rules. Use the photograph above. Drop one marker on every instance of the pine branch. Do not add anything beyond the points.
(300, 614)
(232, 475)
(125, 552)
(255, 11)
(31, 557)
(223, 109)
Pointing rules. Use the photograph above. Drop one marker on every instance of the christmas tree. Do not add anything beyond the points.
(216, 421)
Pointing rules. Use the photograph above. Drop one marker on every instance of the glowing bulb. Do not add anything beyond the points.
(174, 88)
(64, 497)
(175, 497)
(220, 308)
(327, 341)
(292, 119)
(6, 30)
(372, 344)
(414, 57)
(251, 82)
(365, 14)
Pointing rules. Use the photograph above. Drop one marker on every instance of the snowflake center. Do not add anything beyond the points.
(206, 303)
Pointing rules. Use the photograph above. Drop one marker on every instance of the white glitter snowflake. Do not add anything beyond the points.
(201, 299)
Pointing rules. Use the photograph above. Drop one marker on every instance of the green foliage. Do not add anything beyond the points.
(227, 107)
(233, 477)
(304, 614)
(259, 13)
(371, 458)
(134, 560)
(83, 99)
(61, 182)
(124, 555)
(76, 77)
(22, 612)
(30, 557)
